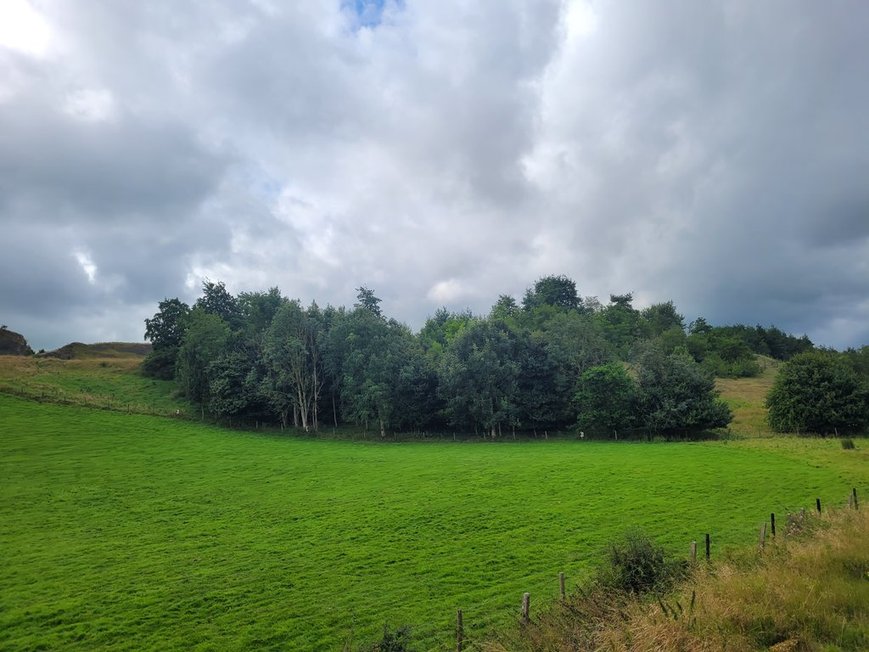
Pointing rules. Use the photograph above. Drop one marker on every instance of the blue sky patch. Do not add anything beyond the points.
(369, 13)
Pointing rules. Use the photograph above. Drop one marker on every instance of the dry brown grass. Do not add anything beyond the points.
(803, 592)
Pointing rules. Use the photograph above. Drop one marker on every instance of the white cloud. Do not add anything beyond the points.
(87, 265)
(710, 153)
(24, 29)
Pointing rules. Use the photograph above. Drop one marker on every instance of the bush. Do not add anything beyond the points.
(393, 641)
(848, 444)
(636, 565)
(818, 392)
(160, 363)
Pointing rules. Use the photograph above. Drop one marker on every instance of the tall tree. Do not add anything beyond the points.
(606, 399)
(216, 300)
(205, 339)
(661, 317)
(292, 361)
(556, 291)
(366, 299)
(677, 396)
(479, 377)
(165, 331)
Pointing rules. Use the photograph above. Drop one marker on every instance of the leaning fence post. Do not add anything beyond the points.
(460, 631)
(526, 607)
(818, 504)
(561, 586)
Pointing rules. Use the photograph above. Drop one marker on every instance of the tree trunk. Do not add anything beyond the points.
(334, 409)
(382, 430)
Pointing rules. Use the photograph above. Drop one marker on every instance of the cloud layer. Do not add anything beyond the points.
(440, 152)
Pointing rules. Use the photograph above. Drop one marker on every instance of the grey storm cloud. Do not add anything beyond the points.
(440, 152)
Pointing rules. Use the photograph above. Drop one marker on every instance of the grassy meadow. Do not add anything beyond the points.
(126, 530)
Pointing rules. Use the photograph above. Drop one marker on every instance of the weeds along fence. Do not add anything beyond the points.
(767, 532)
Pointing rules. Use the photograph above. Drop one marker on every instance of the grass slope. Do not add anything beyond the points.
(108, 383)
(137, 532)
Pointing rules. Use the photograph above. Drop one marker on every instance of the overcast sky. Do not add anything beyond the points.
(439, 152)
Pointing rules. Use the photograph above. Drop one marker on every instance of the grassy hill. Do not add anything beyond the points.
(101, 350)
(111, 383)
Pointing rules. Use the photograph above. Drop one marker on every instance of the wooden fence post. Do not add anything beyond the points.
(818, 504)
(693, 552)
(460, 631)
(762, 539)
(772, 524)
(561, 586)
(707, 546)
(526, 607)
(854, 497)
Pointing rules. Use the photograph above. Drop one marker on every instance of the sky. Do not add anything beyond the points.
(442, 153)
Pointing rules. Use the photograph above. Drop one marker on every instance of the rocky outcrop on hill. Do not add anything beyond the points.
(12, 343)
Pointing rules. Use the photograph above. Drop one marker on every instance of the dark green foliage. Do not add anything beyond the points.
(505, 308)
(160, 363)
(818, 392)
(661, 317)
(622, 324)
(165, 331)
(393, 640)
(556, 291)
(847, 444)
(166, 328)
(479, 378)
(367, 300)
(203, 341)
(676, 396)
(261, 357)
(606, 400)
(635, 564)
(258, 309)
(216, 300)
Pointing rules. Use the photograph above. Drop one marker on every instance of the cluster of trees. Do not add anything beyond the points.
(544, 363)
(821, 391)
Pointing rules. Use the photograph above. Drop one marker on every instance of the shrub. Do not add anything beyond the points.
(393, 641)
(817, 392)
(636, 565)
(848, 444)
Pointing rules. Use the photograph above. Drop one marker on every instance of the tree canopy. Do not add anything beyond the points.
(556, 362)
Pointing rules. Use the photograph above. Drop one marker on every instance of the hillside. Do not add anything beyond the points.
(113, 382)
(12, 343)
(79, 351)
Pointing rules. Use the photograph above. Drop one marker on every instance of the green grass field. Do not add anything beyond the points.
(135, 532)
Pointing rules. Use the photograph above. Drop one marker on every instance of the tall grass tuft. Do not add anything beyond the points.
(808, 590)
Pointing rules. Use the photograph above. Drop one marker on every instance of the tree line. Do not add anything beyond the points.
(550, 362)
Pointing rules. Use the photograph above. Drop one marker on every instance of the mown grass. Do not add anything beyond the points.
(136, 532)
(806, 589)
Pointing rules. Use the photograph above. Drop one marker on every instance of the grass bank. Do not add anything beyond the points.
(807, 589)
